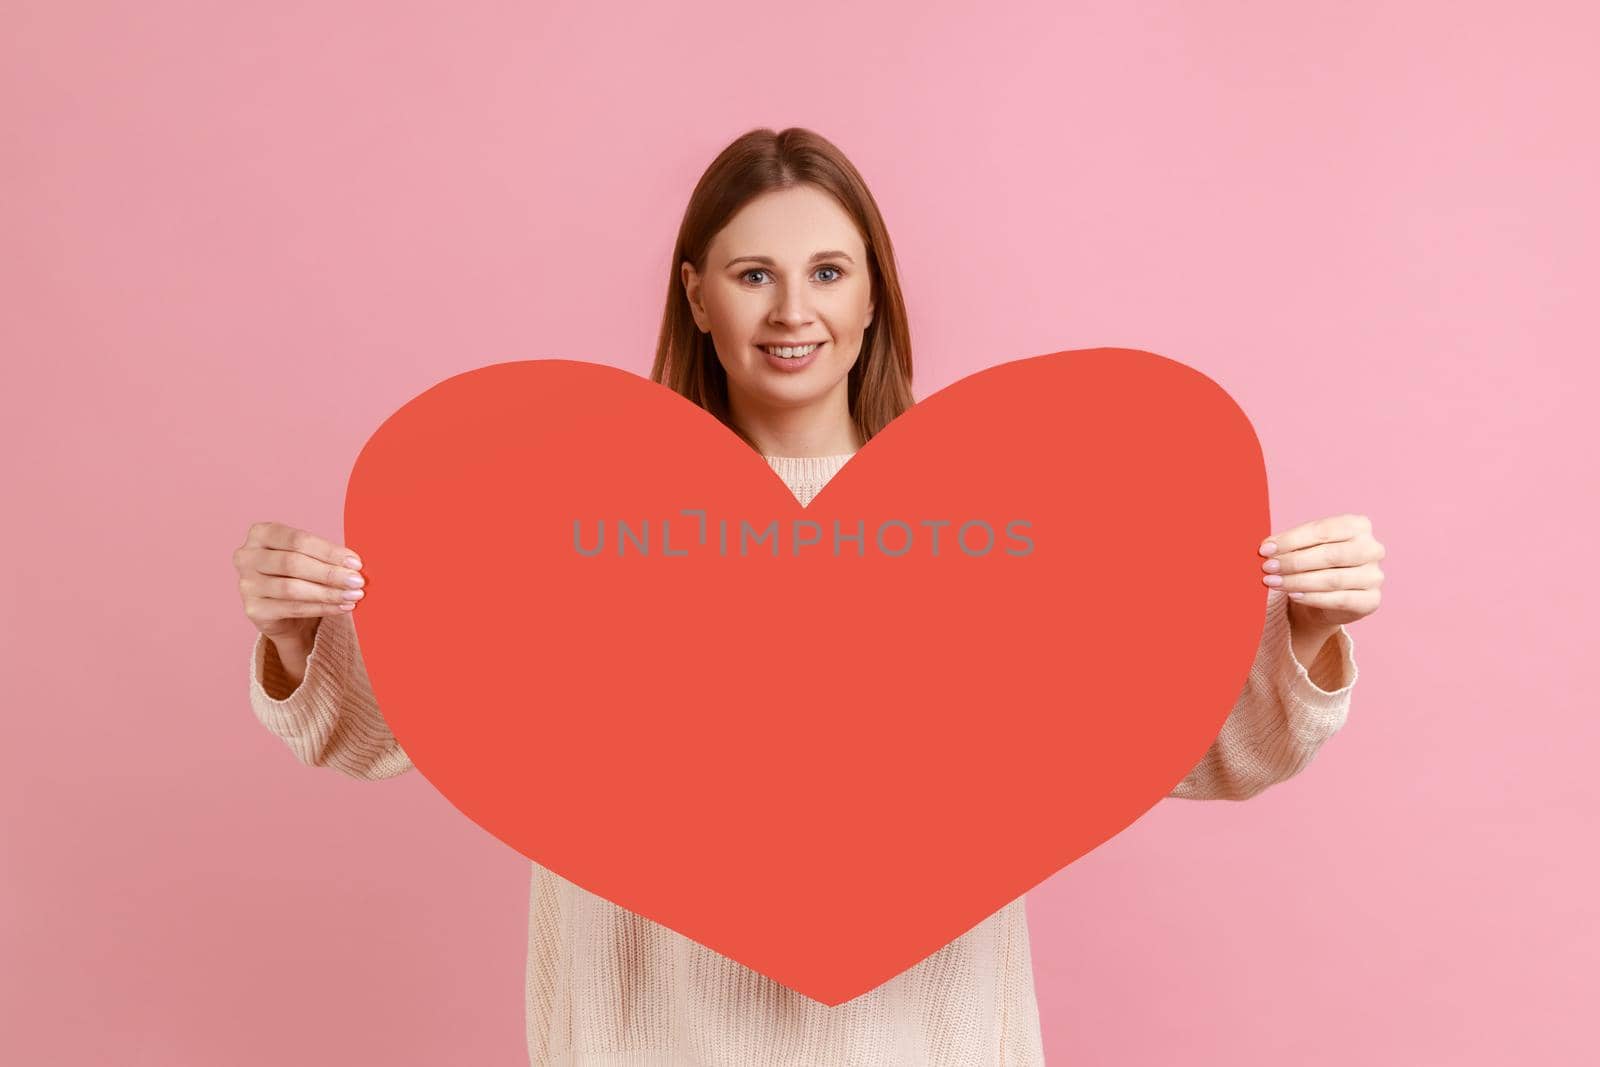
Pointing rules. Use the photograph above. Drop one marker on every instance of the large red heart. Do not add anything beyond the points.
(823, 765)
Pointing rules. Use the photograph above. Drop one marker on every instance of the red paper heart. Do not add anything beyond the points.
(824, 766)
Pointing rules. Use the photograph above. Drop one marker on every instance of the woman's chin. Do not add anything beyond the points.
(792, 392)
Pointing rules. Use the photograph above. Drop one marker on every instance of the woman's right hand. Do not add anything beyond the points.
(289, 579)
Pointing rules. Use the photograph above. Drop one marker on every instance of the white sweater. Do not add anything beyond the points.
(608, 988)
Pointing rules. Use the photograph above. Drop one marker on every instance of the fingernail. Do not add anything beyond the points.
(1268, 548)
(353, 563)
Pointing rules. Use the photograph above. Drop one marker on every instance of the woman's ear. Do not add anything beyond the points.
(691, 292)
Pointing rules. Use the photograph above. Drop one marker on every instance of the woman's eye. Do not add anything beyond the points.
(757, 270)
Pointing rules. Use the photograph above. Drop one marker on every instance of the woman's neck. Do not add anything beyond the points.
(810, 432)
(805, 443)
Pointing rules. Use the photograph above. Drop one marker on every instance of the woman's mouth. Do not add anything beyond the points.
(791, 358)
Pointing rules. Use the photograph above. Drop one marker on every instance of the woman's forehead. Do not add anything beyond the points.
(789, 224)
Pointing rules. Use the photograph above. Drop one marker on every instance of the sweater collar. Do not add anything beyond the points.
(794, 469)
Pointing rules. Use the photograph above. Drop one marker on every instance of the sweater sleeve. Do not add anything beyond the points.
(1284, 714)
(331, 719)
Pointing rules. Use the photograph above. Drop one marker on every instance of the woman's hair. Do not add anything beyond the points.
(756, 163)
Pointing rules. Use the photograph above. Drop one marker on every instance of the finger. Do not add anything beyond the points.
(298, 565)
(1351, 553)
(274, 588)
(1315, 532)
(265, 609)
(1366, 576)
(276, 535)
(1362, 601)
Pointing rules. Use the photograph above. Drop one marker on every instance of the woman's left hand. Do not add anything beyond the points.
(1329, 568)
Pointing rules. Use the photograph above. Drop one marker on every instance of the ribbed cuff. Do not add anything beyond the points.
(315, 700)
(1293, 678)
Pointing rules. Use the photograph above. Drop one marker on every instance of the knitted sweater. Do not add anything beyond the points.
(606, 987)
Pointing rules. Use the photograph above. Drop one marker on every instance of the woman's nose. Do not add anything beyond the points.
(793, 311)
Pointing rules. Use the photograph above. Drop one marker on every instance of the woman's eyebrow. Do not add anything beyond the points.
(770, 262)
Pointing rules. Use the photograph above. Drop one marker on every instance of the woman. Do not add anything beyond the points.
(784, 318)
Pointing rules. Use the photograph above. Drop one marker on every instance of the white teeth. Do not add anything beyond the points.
(789, 353)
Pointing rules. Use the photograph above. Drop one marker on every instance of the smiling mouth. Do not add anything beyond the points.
(793, 351)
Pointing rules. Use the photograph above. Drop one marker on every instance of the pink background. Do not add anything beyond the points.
(237, 238)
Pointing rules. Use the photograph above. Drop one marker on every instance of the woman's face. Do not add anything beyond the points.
(788, 268)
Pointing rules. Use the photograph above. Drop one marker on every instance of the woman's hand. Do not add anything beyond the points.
(1329, 568)
(289, 579)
